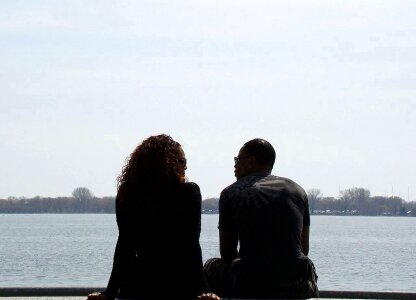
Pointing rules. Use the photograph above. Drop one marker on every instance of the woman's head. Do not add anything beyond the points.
(180, 165)
(158, 162)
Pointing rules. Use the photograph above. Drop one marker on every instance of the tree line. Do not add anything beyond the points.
(353, 201)
(82, 201)
(358, 201)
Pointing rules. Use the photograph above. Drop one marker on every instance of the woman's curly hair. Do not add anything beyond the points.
(150, 169)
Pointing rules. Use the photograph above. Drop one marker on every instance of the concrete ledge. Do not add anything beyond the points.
(84, 291)
(366, 295)
(47, 291)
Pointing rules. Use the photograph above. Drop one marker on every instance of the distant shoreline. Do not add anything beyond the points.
(353, 205)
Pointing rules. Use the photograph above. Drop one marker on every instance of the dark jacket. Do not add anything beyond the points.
(158, 253)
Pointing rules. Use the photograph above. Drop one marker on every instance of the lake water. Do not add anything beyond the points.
(350, 253)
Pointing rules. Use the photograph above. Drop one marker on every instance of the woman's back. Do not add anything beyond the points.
(160, 252)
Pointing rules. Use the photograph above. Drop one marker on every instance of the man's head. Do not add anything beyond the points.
(257, 155)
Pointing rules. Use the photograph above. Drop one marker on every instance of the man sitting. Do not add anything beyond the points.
(269, 217)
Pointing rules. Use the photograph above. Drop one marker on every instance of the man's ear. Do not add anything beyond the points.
(252, 162)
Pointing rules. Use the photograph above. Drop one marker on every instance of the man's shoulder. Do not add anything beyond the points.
(238, 185)
(235, 189)
(229, 189)
(280, 183)
(285, 180)
(293, 183)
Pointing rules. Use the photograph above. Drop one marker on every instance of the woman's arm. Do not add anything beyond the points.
(193, 201)
(113, 283)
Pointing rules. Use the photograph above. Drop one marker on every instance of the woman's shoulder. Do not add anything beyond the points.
(190, 187)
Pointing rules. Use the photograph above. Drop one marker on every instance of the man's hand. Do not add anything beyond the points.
(96, 296)
(208, 296)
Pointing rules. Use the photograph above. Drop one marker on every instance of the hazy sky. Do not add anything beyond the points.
(331, 84)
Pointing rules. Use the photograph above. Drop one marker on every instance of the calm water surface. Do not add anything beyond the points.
(350, 253)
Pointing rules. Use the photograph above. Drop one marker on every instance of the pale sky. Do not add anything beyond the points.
(331, 84)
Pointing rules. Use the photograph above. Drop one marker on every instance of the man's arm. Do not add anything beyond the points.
(304, 240)
(228, 245)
